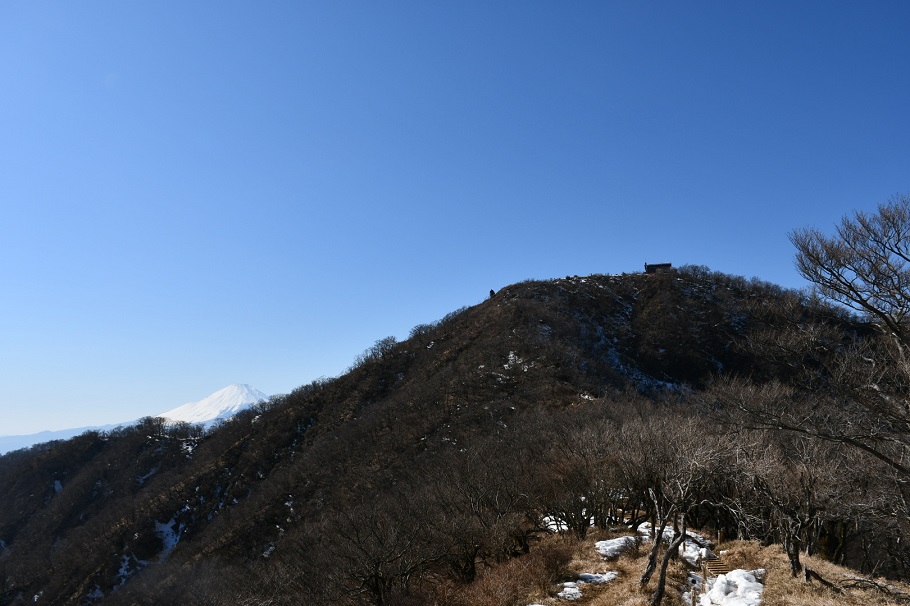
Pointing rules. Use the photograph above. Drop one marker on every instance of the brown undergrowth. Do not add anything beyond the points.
(782, 589)
(521, 580)
(537, 577)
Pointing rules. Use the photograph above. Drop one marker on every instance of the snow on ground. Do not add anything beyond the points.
(168, 535)
(692, 546)
(129, 565)
(554, 524)
(571, 590)
(692, 551)
(514, 361)
(736, 588)
(597, 578)
(141, 479)
(613, 548)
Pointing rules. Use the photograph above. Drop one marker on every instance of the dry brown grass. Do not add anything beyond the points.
(538, 576)
(782, 589)
(625, 590)
(522, 580)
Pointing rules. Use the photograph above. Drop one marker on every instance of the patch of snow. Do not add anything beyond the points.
(141, 479)
(168, 535)
(124, 573)
(514, 361)
(57, 486)
(613, 548)
(692, 546)
(642, 380)
(693, 581)
(554, 524)
(570, 592)
(736, 588)
(598, 578)
(692, 551)
(129, 565)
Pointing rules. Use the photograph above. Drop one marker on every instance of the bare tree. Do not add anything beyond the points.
(476, 502)
(848, 386)
(865, 266)
(582, 486)
(684, 461)
(382, 547)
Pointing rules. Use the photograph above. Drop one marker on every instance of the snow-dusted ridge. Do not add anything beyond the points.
(222, 404)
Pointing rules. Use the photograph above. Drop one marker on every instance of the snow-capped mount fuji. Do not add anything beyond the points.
(222, 404)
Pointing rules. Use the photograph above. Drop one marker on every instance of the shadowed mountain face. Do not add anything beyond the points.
(278, 495)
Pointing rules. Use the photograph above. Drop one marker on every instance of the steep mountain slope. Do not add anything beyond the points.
(278, 496)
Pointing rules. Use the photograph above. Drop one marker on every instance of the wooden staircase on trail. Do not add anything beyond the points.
(715, 565)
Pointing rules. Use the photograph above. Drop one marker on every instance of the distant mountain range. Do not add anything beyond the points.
(222, 404)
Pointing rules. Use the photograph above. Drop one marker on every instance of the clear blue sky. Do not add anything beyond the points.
(194, 194)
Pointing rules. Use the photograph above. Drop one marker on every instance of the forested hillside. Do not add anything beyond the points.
(581, 402)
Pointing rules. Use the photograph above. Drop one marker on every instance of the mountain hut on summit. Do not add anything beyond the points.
(653, 268)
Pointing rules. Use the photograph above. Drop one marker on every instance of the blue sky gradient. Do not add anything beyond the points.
(196, 194)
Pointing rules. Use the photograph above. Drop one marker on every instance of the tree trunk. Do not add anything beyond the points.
(668, 555)
(652, 557)
(791, 546)
(681, 546)
(838, 556)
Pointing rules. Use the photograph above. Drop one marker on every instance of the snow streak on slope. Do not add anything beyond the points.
(220, 405)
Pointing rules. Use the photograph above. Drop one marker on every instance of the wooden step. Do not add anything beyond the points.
(716, 567)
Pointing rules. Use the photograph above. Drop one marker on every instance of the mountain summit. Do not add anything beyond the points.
(222, 404)
(465, 446)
